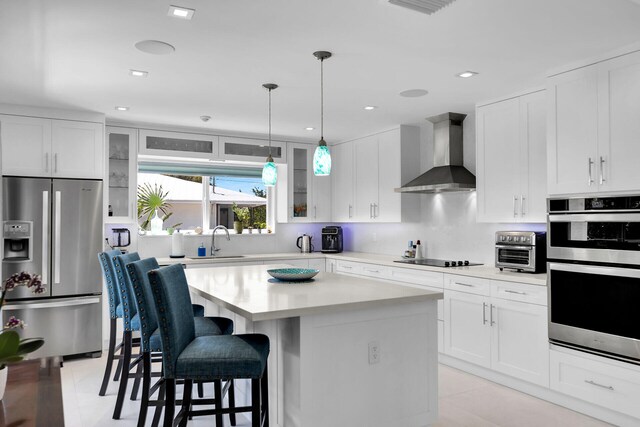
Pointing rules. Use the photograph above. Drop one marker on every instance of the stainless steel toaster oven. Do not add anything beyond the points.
(521, 250)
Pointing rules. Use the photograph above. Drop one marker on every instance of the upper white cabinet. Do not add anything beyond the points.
(302, 196)
(51, 148)
(593, 128)
(511, 159)
(342, 182)
(178, 144)
(370, 170)
(122, 151)
(251, 150)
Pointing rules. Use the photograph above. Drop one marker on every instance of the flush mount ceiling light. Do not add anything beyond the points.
(466, 74)
(155, 47)
(322, 156)
(122, 108)
(181, 12)
(413, 93)
(424, 6)
(370, 107)
(269, 171)
(138, 73)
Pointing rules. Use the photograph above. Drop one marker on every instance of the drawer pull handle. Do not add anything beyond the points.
(347, 267)
(608, 387)
(372, 271)
(515, 292)
(464, 284)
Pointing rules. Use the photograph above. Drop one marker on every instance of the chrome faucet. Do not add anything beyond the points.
(213, 238)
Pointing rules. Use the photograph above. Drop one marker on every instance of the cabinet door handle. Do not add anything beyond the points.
(55, 162)
(515, 208)
(315, 211)
(590, 178)
(515, 292)
(522, 205)
(291, 211)
(46, 162)
(491, 321)
(602, 170)
(350, 207)
(484, 313)
(370, 210)
(376, 212)
(464, 284)
(608, 387)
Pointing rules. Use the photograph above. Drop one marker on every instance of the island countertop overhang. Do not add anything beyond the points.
(250, 292)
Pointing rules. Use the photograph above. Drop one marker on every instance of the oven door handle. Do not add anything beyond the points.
(592, 269)
(596, 217)
(520, 248)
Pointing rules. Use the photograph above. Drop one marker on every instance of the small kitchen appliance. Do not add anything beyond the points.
(120, 238)
(332, 239)
(304, 243)
(522, 251)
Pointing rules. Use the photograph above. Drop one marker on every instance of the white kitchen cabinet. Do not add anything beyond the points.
(383, 162)
(51, 148)
(251, 150)
(499, 325)
(511, 160)
(342, 182)
(177, 144)
(122, 149)
(593, 128)
(330, 265)
(308, 197)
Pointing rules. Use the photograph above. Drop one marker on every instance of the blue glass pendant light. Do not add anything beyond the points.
(269, 171)
(322, 157)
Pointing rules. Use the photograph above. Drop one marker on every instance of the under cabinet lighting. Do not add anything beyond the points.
(138, 73)
(309, 128)
(181, 12)
(370, 107)
(466, 74)
(122, 108)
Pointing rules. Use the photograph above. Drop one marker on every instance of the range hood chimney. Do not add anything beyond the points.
(448, 173)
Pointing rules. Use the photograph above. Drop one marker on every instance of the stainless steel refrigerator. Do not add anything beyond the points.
(53, 227)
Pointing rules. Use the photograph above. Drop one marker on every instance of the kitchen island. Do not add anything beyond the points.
(345, 351)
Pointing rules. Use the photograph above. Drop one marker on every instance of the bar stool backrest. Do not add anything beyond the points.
(129, 309)
(108, 272)
(138, 274)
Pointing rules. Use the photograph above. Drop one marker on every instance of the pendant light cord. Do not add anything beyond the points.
(322, 99)
(269, 122)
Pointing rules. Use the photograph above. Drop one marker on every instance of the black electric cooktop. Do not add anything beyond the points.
(437, 262)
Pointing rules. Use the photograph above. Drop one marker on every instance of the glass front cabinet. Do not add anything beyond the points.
(121, 174)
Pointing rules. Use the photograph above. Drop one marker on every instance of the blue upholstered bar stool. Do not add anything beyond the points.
(150, 335)
(208, 358)
(115, 313)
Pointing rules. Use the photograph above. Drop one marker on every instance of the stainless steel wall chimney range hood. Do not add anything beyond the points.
(448, 173)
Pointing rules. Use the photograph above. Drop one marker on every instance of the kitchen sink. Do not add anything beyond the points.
(216, 257)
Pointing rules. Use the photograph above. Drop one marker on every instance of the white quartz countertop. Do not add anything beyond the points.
(251, 292)
(484, 271)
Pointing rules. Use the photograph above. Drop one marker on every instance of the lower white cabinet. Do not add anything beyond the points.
(505, 334)
(605, 382)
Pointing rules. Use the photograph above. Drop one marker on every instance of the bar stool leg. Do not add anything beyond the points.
(146, 386)
(264, 391)
(186, 403)
(110, 356)
(169, 402)
(217, 394)
(255, 402)
(232, 403)
(136, 380)
(158, 412)
(126, 360)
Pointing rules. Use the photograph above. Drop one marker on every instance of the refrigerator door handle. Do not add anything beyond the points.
(54, 304)
(56, 239)
(45, 237)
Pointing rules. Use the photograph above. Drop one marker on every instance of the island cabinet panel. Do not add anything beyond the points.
(40, 147)
(593, 128)
(511, 165)
(498, 325)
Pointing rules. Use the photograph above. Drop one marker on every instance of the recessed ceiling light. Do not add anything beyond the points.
(180, 12)
(205, 118)
(138, 73)
(309, 128)
(155, 47)
(413, 93)
(370, 107)
(466, 74)
(122, 108)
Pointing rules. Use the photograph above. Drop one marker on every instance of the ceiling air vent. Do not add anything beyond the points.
(424, 6)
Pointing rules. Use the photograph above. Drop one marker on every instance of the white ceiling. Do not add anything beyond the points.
(76, 54)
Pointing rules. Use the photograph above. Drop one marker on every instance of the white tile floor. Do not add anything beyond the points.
(465, 400)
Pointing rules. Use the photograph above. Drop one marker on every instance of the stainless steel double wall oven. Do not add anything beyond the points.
(593, 250)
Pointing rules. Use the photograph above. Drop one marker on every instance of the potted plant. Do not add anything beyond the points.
(152, 200)
(12, 348)
(242, 217)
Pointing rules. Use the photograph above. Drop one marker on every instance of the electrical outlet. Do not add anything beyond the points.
(374, 352)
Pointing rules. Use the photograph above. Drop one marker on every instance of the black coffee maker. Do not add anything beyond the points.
(332, 239)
